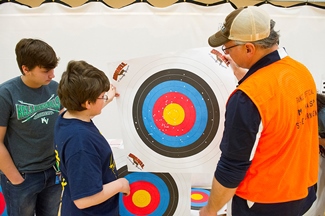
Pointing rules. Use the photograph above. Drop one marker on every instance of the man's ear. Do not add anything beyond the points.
(249, 47)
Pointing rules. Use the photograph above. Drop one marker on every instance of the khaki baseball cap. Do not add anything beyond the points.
(245, 24)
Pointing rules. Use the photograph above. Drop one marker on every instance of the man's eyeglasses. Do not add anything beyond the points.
(224, 49)
(105, 98)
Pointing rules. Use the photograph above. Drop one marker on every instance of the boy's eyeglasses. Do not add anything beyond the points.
(105, 98)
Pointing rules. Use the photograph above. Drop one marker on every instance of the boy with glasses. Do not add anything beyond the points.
(87, 163)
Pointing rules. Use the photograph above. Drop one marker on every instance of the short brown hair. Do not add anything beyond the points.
(33, 52)
(79, 83)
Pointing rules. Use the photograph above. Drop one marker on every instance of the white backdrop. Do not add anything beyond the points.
(102, 35)
(99, 35)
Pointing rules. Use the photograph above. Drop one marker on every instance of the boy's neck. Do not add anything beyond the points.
(29, 83)
(81, 115)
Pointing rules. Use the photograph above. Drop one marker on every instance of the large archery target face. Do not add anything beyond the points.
(172, 110)
(150, 194)
(176, 113)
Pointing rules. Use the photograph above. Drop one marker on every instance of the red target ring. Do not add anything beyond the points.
(199, 197)
(182, 125)
(144, 198)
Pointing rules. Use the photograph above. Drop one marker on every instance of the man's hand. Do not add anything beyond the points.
(205, 212)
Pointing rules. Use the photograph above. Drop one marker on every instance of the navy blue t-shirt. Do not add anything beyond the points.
(86, 163)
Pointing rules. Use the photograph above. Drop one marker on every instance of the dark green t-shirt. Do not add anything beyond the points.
(29, 115)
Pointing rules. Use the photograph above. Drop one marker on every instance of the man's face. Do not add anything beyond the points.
(237, 52)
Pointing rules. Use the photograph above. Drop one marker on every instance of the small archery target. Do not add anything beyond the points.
(150, 194)
(199, 198)
(176, 113)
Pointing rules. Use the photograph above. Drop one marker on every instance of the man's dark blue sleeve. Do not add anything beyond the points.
(242, 122)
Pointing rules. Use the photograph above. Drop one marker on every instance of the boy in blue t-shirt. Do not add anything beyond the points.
(87, 164)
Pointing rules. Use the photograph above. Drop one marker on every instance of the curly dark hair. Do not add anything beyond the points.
(320, 106)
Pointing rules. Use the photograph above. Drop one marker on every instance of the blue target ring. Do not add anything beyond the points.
(207, 113)
(200, 121)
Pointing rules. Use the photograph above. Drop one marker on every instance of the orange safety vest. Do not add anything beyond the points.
(285, 163)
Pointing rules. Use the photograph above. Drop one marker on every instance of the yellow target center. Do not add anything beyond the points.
(141, 198)
(196, 196)
(174, 114)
